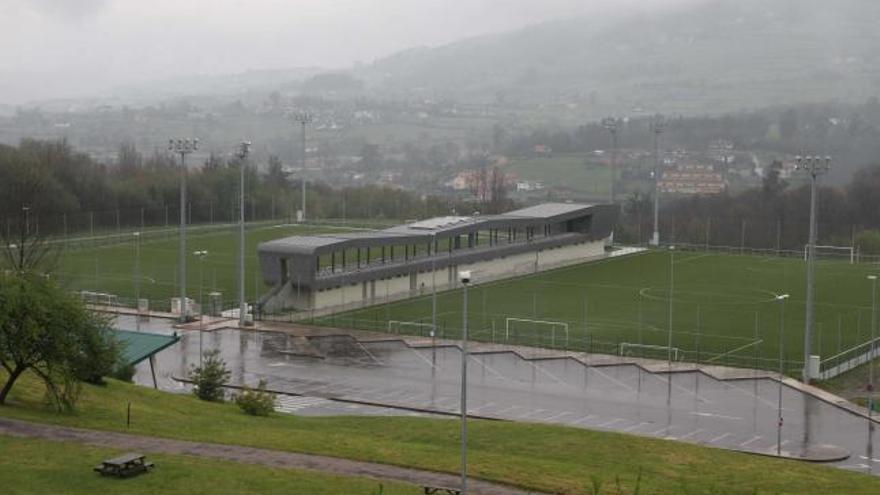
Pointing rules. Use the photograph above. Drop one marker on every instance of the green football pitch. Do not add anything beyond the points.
(724, 308)
(110, 268)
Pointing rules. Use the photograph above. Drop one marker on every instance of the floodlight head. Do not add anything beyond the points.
(465, 276)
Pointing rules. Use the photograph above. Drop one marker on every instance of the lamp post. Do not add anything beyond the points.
(201, 255)
(303, 119)
(465, 277)
(657, 127)
(613, 126)
(873, 279)
(433, 251)
(183, 147)
(137, 280)
(781, 299)
(815, 166)
(243, 150)
(669, 335)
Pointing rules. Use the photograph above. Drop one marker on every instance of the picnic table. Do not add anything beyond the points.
(123, 466)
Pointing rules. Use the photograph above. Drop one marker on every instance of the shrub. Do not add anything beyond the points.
(210, 378)
(256, 402)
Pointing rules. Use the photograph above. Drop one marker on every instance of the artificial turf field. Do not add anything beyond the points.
(111, 268)
(724, 309)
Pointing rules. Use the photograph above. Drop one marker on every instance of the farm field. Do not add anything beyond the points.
(567, 171)
(111, 268)
(724, 309)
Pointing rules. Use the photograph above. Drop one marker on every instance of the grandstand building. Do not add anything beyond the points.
(330, 272)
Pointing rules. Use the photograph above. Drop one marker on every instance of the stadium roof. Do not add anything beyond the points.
(423, 229)
(137, 346)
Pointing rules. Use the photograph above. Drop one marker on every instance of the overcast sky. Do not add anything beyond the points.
(60, 48)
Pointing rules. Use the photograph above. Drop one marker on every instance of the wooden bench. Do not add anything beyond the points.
(124, 466)
(429, 490)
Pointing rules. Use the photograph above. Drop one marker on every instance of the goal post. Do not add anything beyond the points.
(627, 348)
(395, 326)
(835, 252)
(508, 322)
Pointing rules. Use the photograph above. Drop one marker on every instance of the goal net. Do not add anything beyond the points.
(536, 328)
(839, 253)
(650, 351)
(411, 327)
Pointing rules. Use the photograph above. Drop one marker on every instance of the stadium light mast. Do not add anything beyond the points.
(201, 255)
(183, 147)
(465, 277)
(669, 336)
(303, 119)
(873, 279)
(613, 126)
(781, 298)
(815, 166)
(243, 150)
(658, 126)
(137, 280)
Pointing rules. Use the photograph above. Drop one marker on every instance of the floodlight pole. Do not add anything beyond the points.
(243, 150)
(657, 126)
(465, 280)
(183, 147)
(613, 126)
(669, 336)
(873, 279)
(137, 281)
(433, 251)
(303, 119)
(781, 299)
(815, 166)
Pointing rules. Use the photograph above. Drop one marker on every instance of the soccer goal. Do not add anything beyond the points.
(650, 351)
(833, 252)
(514, 323)
(397, 326)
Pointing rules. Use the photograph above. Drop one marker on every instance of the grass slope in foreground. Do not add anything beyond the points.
(722, 305)
(31, 466)
(542, 457)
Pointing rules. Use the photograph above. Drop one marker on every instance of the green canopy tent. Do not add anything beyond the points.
(137, 346)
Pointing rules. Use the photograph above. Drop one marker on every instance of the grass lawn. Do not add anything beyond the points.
(30, 466)
(111, 268)
(548, 458)
(724, 309)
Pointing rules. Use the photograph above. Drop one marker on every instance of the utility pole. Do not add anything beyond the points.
(657, 127)
(303, 119)
(242, 155)
(781, 299)
(183, 147)
(815, 166)
(613, 126)
(137, 280)
(873, 279)
(465, 277)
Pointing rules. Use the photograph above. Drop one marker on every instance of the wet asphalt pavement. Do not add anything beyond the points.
(693, 407)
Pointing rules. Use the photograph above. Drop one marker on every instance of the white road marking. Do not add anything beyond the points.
(713, 415)
(751, 440)
(588, 417)
(719, 438)
(609, 423)
(695, 432)
(634, 427)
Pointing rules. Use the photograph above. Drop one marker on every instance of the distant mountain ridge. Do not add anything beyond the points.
(721, 55)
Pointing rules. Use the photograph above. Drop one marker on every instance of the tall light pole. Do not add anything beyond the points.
(613, 126)
(183, 147)
(657, 127)
(669, 335)
(465, 277)
(243, 150)
(815, 166)
(303, 119)
(433, 301)
(201, 255)
(137, 280)
(873, 279)
(781, 298)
